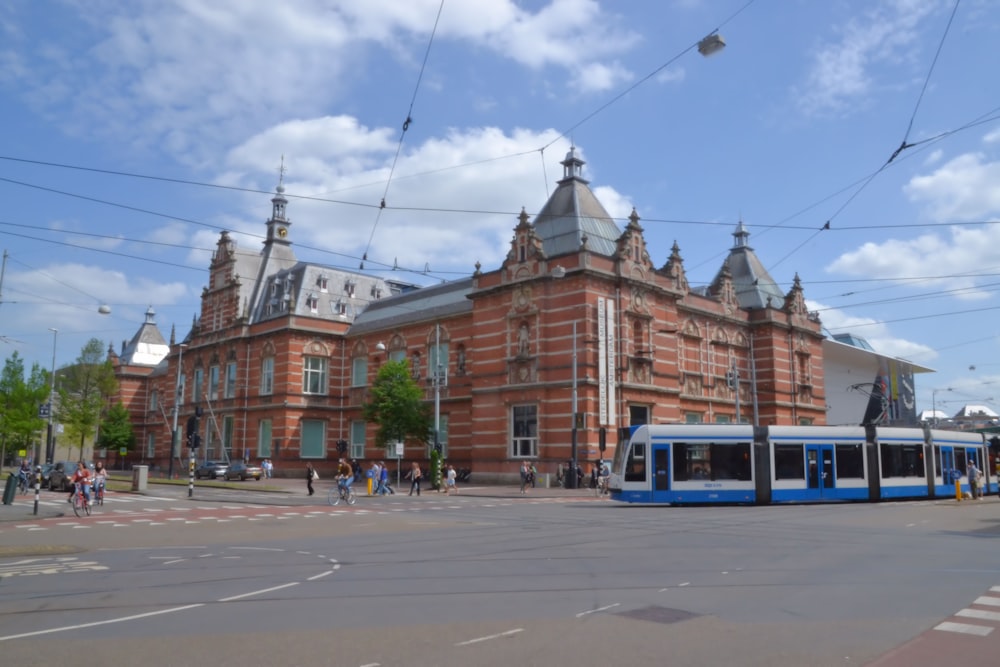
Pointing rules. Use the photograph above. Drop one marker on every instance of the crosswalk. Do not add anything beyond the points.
(980, 618)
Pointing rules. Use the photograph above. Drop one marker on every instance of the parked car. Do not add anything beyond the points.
(242, 471)
(211, 470)
(57, 476)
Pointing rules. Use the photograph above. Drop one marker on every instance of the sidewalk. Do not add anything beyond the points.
(23, 507)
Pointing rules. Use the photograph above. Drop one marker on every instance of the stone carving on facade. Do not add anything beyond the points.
(523, 340)
(674, 270)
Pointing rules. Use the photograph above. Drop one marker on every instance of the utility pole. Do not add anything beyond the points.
(174, 435)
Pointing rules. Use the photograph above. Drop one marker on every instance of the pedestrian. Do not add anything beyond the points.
(415, 476)
(383, 479)
(973, 472)
(451, 483)
(525, 472)
(534, 475)
(311, 476)
(373, 476)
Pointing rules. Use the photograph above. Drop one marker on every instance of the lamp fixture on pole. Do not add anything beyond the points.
(934, 417)
(711, 44)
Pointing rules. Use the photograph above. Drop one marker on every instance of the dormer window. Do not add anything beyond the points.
(274, 289)
(349, 287)
(323, 282)
(313, 302)
(376, 292)
(340, 308)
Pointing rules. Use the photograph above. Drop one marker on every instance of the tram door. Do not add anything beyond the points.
(661, 471)
(947, 465)
(820, 473)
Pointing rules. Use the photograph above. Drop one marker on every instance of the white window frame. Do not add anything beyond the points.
(359, 372)
(267, 376)
(314, 367)
(524, 445)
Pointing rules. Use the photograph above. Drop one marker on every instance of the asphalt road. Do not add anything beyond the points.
(486, 580)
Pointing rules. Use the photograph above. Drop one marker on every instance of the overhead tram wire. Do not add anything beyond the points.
(895, 154)
(406, 126)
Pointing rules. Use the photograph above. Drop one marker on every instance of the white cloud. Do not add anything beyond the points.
(189, 77)
(964, 188)
(841, 73)
(965, 251)
(876, 333)
(436, 213)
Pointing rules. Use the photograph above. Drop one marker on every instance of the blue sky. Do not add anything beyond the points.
(193, 106)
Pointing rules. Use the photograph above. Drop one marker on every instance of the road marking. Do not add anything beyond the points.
(964, 628)
(260, 592)
(594, 611)
(980, 614)
(488, 637)
(987, 601)
(96, 623)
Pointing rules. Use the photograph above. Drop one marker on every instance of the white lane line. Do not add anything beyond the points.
(964, 628)
(599, 609)
(255, 549)
(96, 623)
(320, 575)
(995, 589)
(987, 601)
(980, 614)
(489, 637)
(260, 592)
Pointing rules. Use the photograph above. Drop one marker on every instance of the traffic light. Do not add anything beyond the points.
(342, 446)
(195, 441)
(602, 439)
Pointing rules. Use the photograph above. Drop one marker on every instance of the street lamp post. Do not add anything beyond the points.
(174, 440)
(50, 449)
(571, 476)
(934, 417)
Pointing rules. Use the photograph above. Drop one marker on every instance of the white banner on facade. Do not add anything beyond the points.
(612, 373)
(602, 364)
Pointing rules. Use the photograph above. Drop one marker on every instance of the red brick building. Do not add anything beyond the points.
(283, 352)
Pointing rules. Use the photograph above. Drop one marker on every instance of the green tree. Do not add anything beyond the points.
(19, 401)
(116, 429)
(84, 390)
(397, 406)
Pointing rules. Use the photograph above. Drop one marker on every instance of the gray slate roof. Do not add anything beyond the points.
(572, 213)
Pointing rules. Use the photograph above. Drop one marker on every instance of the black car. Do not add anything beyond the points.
(211, 469)
(57, 476)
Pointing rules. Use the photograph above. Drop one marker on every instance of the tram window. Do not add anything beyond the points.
(850, 461)
(789, 463)
(902, 460)
(635, 466)
(731, 461)
(960, 463)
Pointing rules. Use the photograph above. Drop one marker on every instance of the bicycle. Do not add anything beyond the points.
(22, 484)
(341, 492)
(80, 503)
(98, 492)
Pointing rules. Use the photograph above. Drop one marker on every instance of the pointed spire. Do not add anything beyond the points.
(741, 235)
(173, 335)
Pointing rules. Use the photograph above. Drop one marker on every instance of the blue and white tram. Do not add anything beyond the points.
(703, 463)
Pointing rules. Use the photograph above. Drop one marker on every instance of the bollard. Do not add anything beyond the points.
(38, 487)
(958, 489)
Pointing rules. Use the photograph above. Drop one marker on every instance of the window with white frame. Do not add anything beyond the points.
(313, 439)
(199, 381)
(437, 361)
(154, 400)
(213, 383)
(267, 376)
(442, 436)
(524, 429)
(359, 371)
(314, 375)
(150, 446)
(228, 429)
(358, 439)
(264, 438)
(231, 380)
(313, 302)
(324, 283)
(692, 418)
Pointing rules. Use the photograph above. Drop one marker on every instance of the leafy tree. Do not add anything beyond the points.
(116, 429)
(84, 390)
(19, 401)
(397, 405)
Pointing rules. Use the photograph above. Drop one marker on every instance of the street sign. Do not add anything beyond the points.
(399, 450)
(44, 410)
(123, 450)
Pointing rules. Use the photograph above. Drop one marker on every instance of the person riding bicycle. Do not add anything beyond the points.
(100, 477)
(24, 475)
(345, 475)
(81, 477)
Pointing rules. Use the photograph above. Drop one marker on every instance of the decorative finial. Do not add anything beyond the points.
(281, 175)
